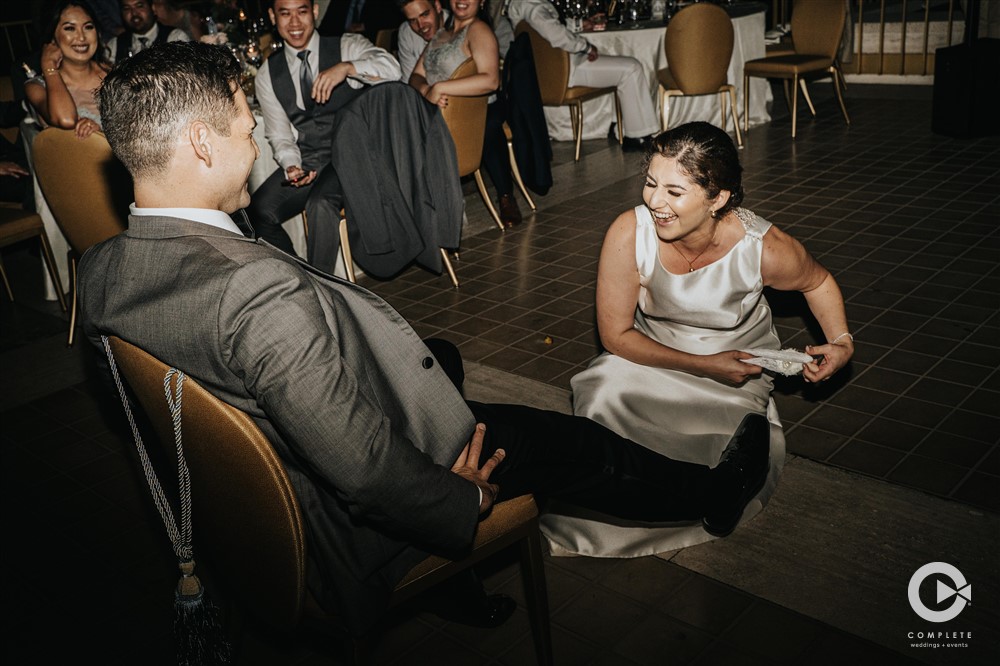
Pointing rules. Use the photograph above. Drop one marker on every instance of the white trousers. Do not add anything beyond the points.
(626, 74)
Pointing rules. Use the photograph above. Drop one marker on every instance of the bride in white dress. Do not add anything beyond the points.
(679, 294)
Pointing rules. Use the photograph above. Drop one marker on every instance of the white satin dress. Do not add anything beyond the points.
(715, 308)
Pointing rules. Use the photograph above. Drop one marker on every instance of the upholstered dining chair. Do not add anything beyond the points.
(552, 69)
(699, 45)
(817, 27)
(16, 225)
(466, 121)
(249, 527)
(386, 39)
(87, 190)
(345, 244)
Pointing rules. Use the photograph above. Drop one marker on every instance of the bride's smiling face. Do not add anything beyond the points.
(681, 208)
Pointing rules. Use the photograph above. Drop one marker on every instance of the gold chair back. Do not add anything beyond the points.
(466, 121)
(386, 39)
(86, 187)
(249, 520)
(246, 514)
(817, 27)
(699, 45)
(551, 67)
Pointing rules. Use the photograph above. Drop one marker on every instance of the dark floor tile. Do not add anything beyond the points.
(860, 399)
(813, 444)
(934, 390)
(707, 605)
(866, 458)
(777, 635)
(657, 639)
(927, 474)
(981, 490)
(973, 425)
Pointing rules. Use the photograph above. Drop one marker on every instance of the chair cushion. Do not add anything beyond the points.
(785, 66)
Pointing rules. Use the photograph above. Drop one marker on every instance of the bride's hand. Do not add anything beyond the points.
(727, 368)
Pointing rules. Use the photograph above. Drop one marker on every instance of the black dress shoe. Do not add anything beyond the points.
(739, 476)
(510, 214)
(631, 145)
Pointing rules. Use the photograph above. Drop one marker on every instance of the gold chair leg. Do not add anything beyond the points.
(666, 110)
(746, 102)
(486, 198)
(517, 176)
(533, 577)
(736, 121)
(6, 284)
(449, 267)
(618, 118)
(50, 264)
(345, 251)
(305, 225)
(72, 313)
(837, 78)
(795, 101)
(805, 93)
(576, 112)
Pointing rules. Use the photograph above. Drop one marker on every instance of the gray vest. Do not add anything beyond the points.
(314, 127)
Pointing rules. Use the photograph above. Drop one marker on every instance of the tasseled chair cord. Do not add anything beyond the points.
(198, 628)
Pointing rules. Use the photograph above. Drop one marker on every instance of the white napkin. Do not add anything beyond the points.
(784, 361)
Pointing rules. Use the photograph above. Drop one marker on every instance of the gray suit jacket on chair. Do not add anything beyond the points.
(366, 423)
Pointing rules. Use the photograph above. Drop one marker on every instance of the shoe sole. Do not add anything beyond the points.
(731, 524)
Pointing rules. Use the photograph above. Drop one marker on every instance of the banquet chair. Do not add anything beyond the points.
(345, 245)
(16, 225)
(466, 121)
(386, 39)
(817, 27)
(699, 45)
(249, 528)
(87, 190)
(552, 68)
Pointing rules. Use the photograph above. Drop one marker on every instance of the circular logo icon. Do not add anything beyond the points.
(959, 589)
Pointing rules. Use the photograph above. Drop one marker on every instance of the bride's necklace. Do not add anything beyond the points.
(690, 262)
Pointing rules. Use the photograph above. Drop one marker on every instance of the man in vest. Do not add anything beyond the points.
(300, 89)
(142, 30)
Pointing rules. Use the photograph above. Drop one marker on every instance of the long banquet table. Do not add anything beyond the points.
(644, 42)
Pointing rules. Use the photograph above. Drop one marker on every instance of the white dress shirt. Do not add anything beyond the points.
(544, 18)
(213, 218)
(368, 59)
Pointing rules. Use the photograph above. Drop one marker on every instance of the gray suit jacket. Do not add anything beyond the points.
(366, 425)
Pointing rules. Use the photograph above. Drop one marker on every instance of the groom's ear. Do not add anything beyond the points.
(200, 138)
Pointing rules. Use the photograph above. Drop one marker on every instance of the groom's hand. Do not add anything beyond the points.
(467, 467)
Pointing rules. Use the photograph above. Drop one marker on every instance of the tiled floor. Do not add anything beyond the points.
(906, 220)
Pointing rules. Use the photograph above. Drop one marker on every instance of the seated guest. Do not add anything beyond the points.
(171, 14)
(454, 41)
(381, 449)
(142, 30)
(679, 301)
(72, 68)
(588, 68)
(300, 89)
(414, 33)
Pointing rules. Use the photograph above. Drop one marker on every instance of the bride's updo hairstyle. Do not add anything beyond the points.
(707, 155)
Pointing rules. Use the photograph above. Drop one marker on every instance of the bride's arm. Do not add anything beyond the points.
(787, 265)
(617, 298)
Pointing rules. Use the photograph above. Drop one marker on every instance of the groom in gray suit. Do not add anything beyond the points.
(382, 450)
